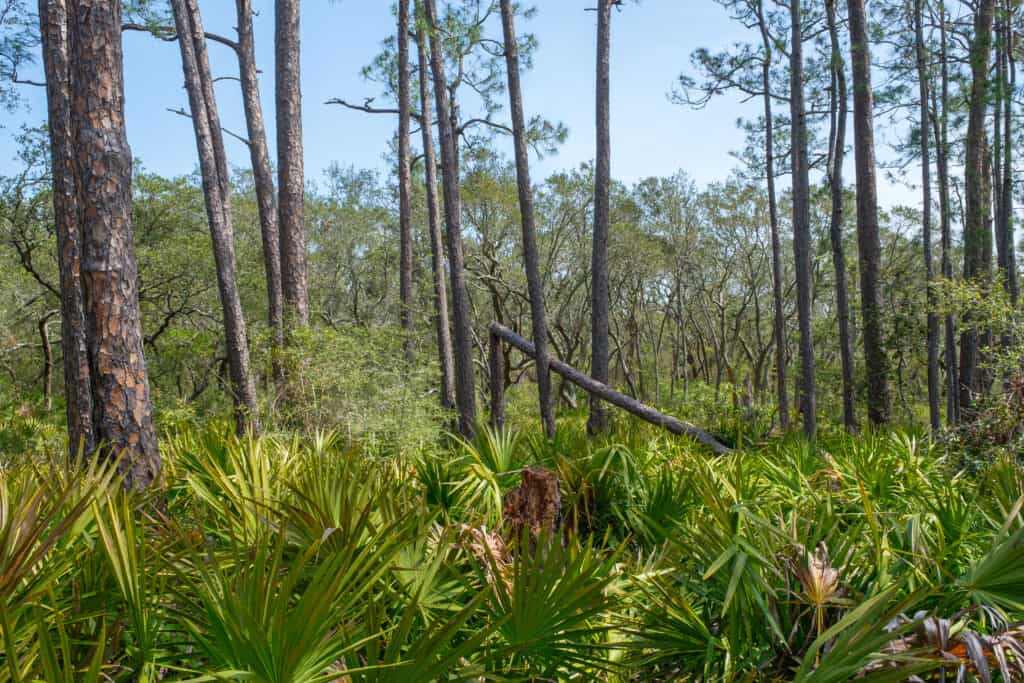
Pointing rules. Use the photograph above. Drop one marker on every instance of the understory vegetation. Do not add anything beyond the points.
(323, 559)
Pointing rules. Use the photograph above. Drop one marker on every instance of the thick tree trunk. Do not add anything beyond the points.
(779, 324)
(290, 173)
(263, 178)
(465, 392)
(934, 413)
(802, 224)
(598, 420)
(869, 244)
(437, 261)
(405, 293)
(531, 258)
(977, 235)
(56, 49)
(122, 417)
(837, 145)
(217, 195)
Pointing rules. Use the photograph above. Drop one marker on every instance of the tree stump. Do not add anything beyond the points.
(535, 506)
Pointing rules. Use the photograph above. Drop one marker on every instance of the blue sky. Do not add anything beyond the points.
(651, 45)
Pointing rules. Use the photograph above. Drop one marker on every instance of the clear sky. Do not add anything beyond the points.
(651, 40)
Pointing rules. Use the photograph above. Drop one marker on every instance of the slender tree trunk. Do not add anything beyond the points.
(837, 143)
(217, 194)
(263, 179)
(869, 244)
(977, 235)
(122, 417)
(598, 420)
(437, 262)
(940, 127)
(465, 393)
(531, 258)
(1009, 243)
(1004, 230)
(405, 293)
(291, 176)
(779, 326)
(802, 224)
(56, 49)
(934, 391)
(44, 340)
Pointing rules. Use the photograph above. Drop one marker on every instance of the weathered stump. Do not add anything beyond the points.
(534, 507)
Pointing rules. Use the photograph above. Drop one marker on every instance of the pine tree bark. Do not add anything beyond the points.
(217, 196)
(405, 293)
(802, 223)
(779, 323)
(940, 131)
(869, 244)
(291, 175)
(465, 392)
(122, 419)
(531, 258)
(445, 356)
(837, 145)
(263, 178)
(934, 391)
(1004, 233)
(56, 49)
(600, 295)
(977, 235)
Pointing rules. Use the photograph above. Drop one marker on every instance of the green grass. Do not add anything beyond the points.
(286, 559)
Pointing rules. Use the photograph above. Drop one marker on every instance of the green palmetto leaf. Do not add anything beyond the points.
(552, 607)
(997, 579)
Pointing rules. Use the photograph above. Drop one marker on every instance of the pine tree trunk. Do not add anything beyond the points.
(217, 195)
(802, 224)
(290, 173)
(940, 128)
(531, 258)
(600, 296)
(977, 236)
(779, 324)
(56, 49)
(437, 261)
(1010, 245)
(869, 244)
(263, 178)
(465, 392)
(405, 293)
(122, 417)
(837, 145)
(934, 413)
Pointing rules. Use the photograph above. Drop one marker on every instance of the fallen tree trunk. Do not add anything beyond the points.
(616, 398)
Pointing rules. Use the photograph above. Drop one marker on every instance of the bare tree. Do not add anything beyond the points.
(437, 261)
(839, 109)
(263, 177)
(217, 195)
(869, 245)
(934, 414)
(802, 222)
(465, 392)
(404, 183)
(598, 420)
(291, 176)
(530, 257)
